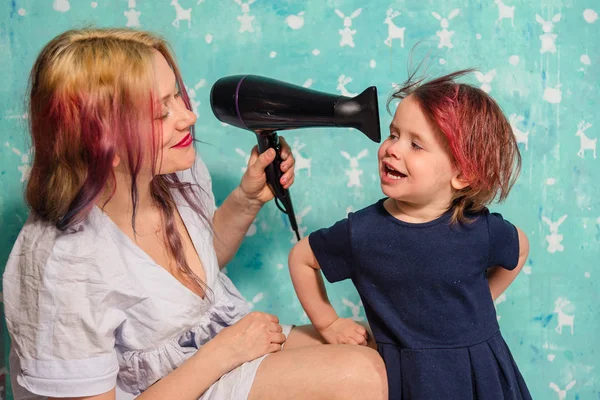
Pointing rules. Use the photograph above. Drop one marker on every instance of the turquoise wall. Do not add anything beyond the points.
(538, 59)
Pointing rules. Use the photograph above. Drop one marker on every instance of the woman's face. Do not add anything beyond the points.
(175, 150)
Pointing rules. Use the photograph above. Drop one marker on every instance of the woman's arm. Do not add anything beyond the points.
(110, 395)
(230, 224)
(500, 278)
(233, 218)
(188, 381)
(310, 289)
(253, 336)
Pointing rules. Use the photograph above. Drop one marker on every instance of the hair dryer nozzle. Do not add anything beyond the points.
(263, 104)
(360, 112)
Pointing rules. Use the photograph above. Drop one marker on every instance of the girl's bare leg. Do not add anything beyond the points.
(327, 372)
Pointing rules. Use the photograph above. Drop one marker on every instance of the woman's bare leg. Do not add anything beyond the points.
(302, 336)
(321, 372)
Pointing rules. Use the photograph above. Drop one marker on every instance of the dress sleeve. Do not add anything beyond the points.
(504, 242)
(333, 250)
(62, 321)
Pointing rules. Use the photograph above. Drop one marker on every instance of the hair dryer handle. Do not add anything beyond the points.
(267, 140)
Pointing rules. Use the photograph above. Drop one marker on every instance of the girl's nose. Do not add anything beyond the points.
(395, 150)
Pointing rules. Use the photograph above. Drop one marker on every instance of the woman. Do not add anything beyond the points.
(115, 277)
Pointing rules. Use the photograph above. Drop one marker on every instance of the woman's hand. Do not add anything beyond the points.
(253, 336)
(254, 182)
(345, 331)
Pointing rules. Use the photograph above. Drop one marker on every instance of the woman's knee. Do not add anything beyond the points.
(368, 370)
(351, 372)
(340, 372)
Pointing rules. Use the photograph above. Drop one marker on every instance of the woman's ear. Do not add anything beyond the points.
(459, 182)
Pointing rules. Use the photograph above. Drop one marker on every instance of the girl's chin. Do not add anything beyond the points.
(393, 193)
(386, 190)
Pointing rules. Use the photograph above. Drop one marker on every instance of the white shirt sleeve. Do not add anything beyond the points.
(61, 314)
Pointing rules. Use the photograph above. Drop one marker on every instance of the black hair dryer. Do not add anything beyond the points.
(264, 105)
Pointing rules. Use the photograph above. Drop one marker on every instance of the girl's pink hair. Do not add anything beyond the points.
(477, 134)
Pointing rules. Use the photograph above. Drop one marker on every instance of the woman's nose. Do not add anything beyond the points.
(185, 118)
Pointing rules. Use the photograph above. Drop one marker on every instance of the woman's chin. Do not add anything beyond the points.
(186, 161)
(177, 166)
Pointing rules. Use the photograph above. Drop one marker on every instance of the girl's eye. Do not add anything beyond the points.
(416, 146)
(393, 136)
(165, 114)
(178, 94)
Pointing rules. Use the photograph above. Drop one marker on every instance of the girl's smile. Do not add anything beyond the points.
(389, 173)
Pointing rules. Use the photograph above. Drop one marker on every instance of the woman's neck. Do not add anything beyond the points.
(119, 205)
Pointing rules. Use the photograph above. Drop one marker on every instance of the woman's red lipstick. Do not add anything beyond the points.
(185, 142)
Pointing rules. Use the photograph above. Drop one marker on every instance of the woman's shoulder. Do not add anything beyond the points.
(43, 250)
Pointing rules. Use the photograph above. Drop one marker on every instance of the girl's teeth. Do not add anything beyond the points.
(393, 176)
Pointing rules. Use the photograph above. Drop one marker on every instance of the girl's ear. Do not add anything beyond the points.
(459, 182)
(116, 161)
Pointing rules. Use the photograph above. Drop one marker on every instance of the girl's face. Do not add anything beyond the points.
(414, 165)
(176, 150)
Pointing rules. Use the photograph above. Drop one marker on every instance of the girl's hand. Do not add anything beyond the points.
(254, 182)
(345, 331)
(253, 336)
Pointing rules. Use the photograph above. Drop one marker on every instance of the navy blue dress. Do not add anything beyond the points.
(427, 299)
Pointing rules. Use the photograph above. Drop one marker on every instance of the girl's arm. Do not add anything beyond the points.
(310, 289)
(500, 278)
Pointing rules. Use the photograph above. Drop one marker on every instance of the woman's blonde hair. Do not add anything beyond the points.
(92, 96)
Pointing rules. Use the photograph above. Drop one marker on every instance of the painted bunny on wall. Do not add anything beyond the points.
(554, 239)
(548, 38)
(347, 34)
(354, 172)
(445, 35)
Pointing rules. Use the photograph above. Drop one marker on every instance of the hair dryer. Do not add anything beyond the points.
(264, 106)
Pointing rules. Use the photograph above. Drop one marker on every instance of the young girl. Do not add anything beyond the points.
(429, 259)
